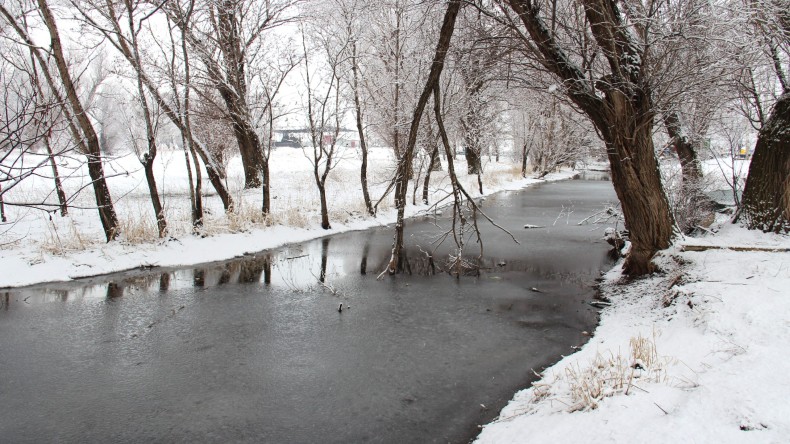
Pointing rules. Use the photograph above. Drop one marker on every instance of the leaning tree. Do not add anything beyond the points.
(605, 72)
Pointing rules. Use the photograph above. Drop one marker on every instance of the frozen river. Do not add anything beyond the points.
(255, 350)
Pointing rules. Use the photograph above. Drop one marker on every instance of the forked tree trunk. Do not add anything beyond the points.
(194, 189)
(232, 86)
(397, 260)
(766, 196)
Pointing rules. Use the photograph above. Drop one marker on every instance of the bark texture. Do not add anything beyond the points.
(766, 195)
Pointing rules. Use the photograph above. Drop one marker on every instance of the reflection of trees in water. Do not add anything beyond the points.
(198, 277)
(324, 259)
(114, 290)
(547, 272)
(164, 282)
(363, 265)
(245, 271)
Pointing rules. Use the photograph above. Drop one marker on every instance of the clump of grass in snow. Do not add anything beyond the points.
(497, 176)
(245, 218)
(136, 230)
(62, 239)
(608, 374)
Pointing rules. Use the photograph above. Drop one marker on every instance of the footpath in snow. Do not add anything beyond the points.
(696, 353)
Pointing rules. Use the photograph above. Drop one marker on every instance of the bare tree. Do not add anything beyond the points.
(107, 19)
(324, 117)
(79, 123)
(23, 123)
(403, 172)
(227, 38)
(271, 81)
(350, 17)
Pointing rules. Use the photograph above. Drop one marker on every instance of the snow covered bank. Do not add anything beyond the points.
(42, 248)
(697, 353)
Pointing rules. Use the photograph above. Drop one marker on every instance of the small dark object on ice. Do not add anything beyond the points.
(529, 226)
(340, 309)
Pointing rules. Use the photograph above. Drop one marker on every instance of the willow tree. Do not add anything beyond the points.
(610, 83)
(766, 196)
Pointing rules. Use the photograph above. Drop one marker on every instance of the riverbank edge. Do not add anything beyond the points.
(24, 268)
(693, 351)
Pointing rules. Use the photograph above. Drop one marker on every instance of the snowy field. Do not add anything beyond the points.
(37, 246)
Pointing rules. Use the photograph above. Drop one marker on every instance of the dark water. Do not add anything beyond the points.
(255, 350)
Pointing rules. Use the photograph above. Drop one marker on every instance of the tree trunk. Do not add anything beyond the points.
(104, 203)
(636, 178)
(693, 208)
(472, 154)
(324, 207)
(266, 205)
(2, 206)
(249, 147)
(161, 223)
(687, 153)
(524, 157)
(231, 84)
(192, 201)
(64, 209)
(766, 196)
(363, 144)
(434, 165)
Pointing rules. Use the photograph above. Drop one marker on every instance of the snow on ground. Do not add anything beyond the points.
(37, 246)
(696, 353)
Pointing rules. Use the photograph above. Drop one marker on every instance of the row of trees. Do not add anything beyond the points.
(561, 76)
(626, 66)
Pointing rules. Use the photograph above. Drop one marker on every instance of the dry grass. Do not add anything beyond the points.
(498, 176)
(138, 230)
(608, 374)
(64, 239)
